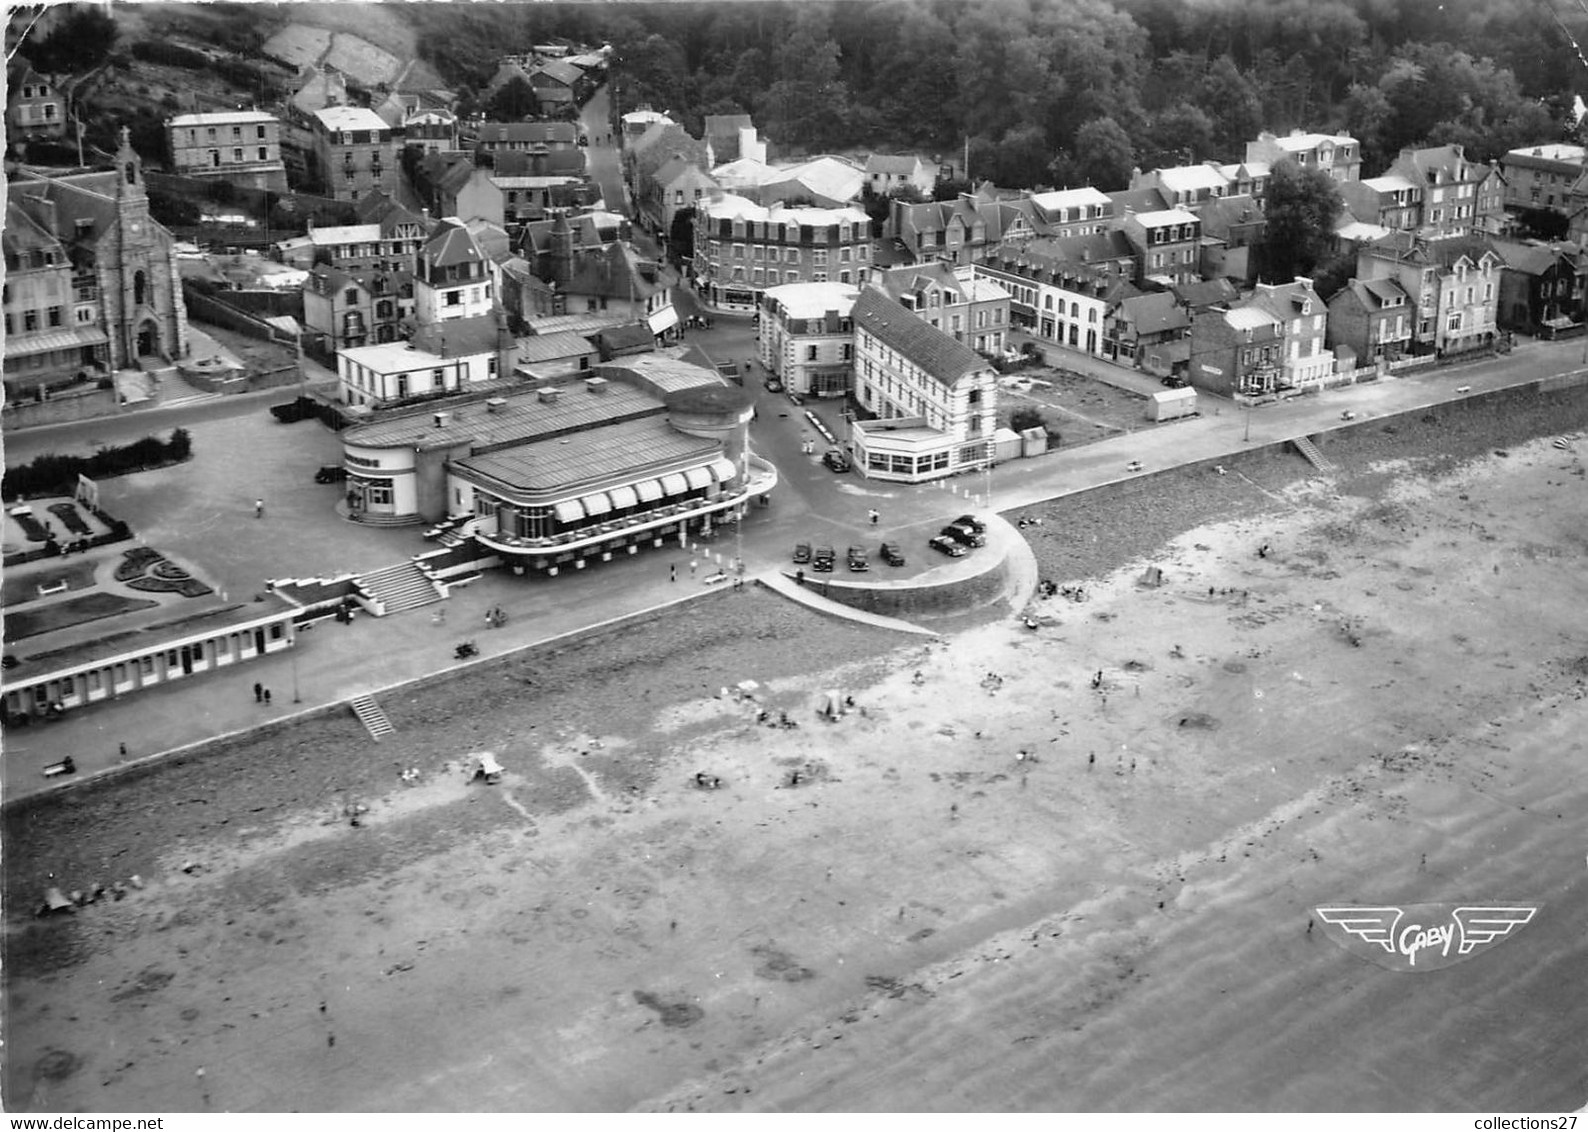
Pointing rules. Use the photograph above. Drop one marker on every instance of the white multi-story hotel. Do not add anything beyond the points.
(742, 248)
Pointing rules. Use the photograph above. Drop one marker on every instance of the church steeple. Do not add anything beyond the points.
(129, 166)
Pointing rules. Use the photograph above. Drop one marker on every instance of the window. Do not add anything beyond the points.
(1454, 324)
(54, 316)
(350, 296)
(30, 320)
(237, 154)
(453, 298)
(264, 153)
(810, 353)
(259, 132)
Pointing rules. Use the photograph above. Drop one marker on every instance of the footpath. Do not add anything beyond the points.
(335, 662)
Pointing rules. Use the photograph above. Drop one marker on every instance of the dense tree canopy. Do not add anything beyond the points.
(1302, 205)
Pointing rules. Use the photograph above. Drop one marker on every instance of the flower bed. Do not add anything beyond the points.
(67, 513)
(136, 562)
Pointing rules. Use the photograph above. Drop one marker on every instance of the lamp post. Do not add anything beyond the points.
(293, 655)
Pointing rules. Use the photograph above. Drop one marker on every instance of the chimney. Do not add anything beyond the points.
(495, 404)
(442, 418)
(549, 394)
(597, 385)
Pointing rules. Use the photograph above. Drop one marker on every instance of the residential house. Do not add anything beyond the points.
(522, 188)
(321, 89)
(951, 230)
(1306, 360)
(1185, 186)
(1072, 212)
(339, 312)
(742, 248)
(91, 278)
(1154, 332)
(545, 357)
(522, 137)
(1236, 352)
(35, 108)
(968, 308)
(1338, 155)
(1450, 188)
(805, 337)
(636, 123)
(1370, 319)
(1168, 245)
(677, 187)
(617, 281)
(729, 137)
(1492, 219)
(1204, 294)
(559, 86)
(931, 403)
(1232, 227)
(469, 354)
(356, 151)
(646, 154)
(452, 279)
(887, 172)
(1453, 283)
(1392, 201)
(1541, 176)
(1065, 291)
(1542, 286)
(241, 147)
(1248, 178)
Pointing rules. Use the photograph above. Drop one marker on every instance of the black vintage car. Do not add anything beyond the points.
(330, 473)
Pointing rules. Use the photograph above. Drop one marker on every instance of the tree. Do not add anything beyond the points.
(1103, 157)
(1178, 135)
(1301, 211)
(1027, 416)
(80, 42)
(513, 101)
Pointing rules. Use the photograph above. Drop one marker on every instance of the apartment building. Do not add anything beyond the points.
(239, 147)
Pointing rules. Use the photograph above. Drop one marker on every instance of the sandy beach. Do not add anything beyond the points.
(1061, 868)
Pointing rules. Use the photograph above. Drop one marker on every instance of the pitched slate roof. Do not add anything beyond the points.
(1155, 313)
(905, 164)
(1205, 292)
(451, 243)
(943, 359)
(557, 70)
(552, 347)
(1530, 259)
(459, 337)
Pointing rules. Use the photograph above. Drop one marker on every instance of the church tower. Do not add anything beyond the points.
(149, 315)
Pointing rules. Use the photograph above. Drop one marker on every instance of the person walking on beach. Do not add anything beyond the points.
(259, 692)
(259, 508)
(672, 572)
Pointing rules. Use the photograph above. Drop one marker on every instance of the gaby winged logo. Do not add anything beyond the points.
(1422, 937)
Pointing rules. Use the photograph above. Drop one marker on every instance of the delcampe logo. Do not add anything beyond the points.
(1422, 937)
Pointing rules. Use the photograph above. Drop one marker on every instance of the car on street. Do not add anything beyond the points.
(836, 459)
(972, 522)
(330, 473)
(802, 552)
(858, 562)
(795, 398)
(773, 385)
(963, 535)
(822, 560)
(892, 554)
(947, 545)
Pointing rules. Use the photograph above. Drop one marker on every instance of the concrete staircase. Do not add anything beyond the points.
(371, 716)
(1310, 453)
(399, 587)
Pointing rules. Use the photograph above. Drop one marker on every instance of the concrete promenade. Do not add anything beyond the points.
(334, 662)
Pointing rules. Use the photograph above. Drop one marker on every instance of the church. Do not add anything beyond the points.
(91, 278)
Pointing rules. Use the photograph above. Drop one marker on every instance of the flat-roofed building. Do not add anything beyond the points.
(241, 147)
(356, 150)
(742, 248)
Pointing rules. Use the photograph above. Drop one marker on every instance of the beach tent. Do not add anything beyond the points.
(832, 704)
(485, 766)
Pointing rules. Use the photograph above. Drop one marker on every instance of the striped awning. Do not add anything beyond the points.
(597, 504)
(623, 497)
(723, 469)
(26, 346)
(649, 490)
(698, 478)
(568, 511)
(674, 484)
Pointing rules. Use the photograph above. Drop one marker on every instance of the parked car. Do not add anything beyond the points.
(836, 459)
(858, 562)
(947, 545)
(795, 398)
(963, 535)
(892, 555)
(802, 552)
(972, 522)
(773, 385)
(822, 560)
(330, 473)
